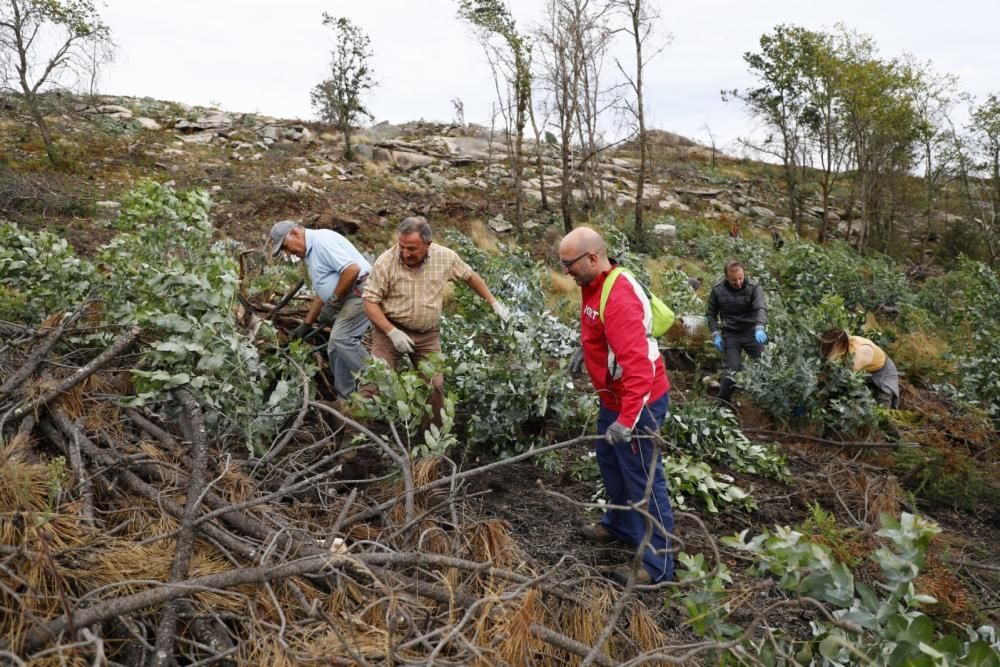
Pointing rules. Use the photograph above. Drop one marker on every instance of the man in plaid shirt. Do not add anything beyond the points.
(404, 296)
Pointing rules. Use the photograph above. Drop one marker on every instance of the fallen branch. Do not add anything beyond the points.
(80, 375)
(165, 631)
(833, 443)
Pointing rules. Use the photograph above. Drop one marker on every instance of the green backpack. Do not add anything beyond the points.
(663, 317)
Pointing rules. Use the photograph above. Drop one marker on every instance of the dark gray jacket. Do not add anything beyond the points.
(740, 310)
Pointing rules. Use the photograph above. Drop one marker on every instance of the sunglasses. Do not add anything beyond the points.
(570, 262)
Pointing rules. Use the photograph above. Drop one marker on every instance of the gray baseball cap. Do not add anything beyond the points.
(278, 233)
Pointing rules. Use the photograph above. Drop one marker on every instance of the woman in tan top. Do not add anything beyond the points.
(865, 355)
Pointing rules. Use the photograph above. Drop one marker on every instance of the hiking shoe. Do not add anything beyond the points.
(595, 532)
(622, 573)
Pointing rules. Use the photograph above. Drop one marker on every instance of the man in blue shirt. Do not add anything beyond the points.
(336, 270)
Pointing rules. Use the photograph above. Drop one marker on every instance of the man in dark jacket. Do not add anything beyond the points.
(737, 317)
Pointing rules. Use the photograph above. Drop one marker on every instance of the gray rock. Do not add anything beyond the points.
(722, 206)
(270, 132)
(699, 192)
(301, 171)
(624, 200)
(381, 155)
(214, 121)
(499, 225)
(114, 110)
(761, 212)
(107, 209)
(199, 138)
(147, 123)
(665, 232)
(410, 161)
(363, 151)
(673, 204)
(384, 130)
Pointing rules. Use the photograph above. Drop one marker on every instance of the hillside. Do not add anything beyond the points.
(158, 427)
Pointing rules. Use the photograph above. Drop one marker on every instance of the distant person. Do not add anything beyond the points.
(737, 318)
(336, 270)
(404, 297)
(627, 370)
(776, 239)
(864, 355)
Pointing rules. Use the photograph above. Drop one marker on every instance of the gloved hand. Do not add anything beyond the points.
(500, 310)
(330, 311)
(301, 332)
(400, 341)
(717, 341)
(760, 336)
(617, 434)
(576, 362)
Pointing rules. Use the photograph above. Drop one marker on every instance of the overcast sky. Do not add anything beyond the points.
(265, 55)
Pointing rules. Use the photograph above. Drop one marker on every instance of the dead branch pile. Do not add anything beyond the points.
(132, 538)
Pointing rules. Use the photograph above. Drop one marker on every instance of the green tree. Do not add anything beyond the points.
(338, 99)
(492, 18)
(822, 116)
(779, 101)
(984, 128)
(881, 122)
(45, 43)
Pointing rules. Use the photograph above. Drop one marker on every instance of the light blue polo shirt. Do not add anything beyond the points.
(327, 254)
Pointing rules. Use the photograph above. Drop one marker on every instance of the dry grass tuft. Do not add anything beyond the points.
(482, 237)
(561, 283)
(644, 629)
(584, 621)
(434, 539)
(519, 646)
(939, 581)
(491, 541)
(426, 470)
(922, 355)
(236, 486)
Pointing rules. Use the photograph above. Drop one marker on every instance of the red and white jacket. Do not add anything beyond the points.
(622, 359)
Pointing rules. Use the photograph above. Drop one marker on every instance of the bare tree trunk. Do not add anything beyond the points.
(538, 157)
(641, 117)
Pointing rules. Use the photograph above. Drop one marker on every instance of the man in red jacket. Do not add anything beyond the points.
(626, 369)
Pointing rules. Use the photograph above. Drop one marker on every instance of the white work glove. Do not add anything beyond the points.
(400, 341)
(500, 310)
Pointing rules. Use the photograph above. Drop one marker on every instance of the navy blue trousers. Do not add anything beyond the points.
(625, 471)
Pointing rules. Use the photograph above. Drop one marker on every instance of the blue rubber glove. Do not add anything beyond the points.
(760, 336)
(618, 433)
(718, 342)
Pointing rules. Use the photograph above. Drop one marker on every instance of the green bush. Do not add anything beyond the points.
(164, 273)
(700, 428)
(884, 626)
(40, 275)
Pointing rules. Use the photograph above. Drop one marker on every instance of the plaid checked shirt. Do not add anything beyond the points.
(413, 298)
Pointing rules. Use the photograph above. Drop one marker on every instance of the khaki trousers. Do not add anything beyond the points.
(424, 344)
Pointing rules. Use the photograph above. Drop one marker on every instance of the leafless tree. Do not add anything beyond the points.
(45, 43)
(573, 40)
(641, 18)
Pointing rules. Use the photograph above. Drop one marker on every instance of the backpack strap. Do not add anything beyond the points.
(609, 282)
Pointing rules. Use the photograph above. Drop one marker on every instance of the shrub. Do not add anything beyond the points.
(700, 428)
(162, 272)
